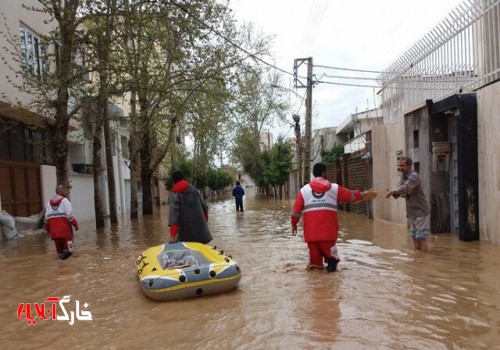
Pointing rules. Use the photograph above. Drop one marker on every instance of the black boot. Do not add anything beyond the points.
(332, 265)
(65, 254)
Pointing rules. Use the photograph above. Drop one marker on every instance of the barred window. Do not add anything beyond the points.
(24, 143)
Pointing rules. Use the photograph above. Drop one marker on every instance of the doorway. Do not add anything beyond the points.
(453, 136)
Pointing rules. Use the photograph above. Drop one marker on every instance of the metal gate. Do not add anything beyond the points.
(452, 132)
(459, 114)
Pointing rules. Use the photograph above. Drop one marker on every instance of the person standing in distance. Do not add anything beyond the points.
(59, 221)
(238, 193)
(318, 201)
(188, 213)
(417, 208)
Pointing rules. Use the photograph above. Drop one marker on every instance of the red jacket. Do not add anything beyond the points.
(59, 218)
(318, 201)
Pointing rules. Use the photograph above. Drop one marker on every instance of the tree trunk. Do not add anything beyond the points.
(147, 195)
(61, 151)
(134, 159)
(134, 176)
(103, 92)
(96, 155)
(65, 16)
(110, 171)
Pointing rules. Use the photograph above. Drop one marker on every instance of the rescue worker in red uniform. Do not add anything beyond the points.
(59, 221)
(318, 201)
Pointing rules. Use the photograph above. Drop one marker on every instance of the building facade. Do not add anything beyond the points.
(27, 166)
(439, 102)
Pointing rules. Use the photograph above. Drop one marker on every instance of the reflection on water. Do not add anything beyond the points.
(384, 295)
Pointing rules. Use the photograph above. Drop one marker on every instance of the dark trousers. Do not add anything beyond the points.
(239, 204)
(62, 244)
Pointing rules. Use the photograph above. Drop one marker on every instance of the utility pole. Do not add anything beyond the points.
(308, 132)
(298, 140)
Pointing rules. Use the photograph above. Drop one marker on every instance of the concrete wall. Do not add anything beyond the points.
(49, 182)
(324, 140)
(387, 141)
(488, 105)
(82, 197)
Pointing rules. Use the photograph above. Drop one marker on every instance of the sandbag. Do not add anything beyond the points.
(8, 225)
(29, 223)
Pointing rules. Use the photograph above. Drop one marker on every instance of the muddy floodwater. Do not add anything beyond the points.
(384, 295)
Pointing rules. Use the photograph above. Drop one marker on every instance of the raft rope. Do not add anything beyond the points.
(212, 273)
(144, 264)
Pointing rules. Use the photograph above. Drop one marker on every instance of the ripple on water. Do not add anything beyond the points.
(383, 296)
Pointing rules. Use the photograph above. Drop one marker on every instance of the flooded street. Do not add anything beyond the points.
(383, 296)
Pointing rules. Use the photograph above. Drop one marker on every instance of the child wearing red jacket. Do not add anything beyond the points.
(59, 221)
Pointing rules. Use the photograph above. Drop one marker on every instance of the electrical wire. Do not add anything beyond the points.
(273, 66)
(346, 84)
(229, 40)
(345, 77)
(349, 69)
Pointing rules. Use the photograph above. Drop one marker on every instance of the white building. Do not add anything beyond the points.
(440, 105)
(27, 171)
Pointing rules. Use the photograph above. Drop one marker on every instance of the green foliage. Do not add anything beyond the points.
(331, 156)
(264, 161)
(218, 179)
(280, 163)
(247, 152)
(259, 106)
(259, 103)
(179, 76)
(183, 164)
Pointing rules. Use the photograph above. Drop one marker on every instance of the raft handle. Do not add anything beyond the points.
(139, 259)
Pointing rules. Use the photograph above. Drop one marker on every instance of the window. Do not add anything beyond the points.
(23, 143)
(33, 55)
(416, 167)
(415, 139)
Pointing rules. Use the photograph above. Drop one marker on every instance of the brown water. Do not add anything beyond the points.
(383, 296)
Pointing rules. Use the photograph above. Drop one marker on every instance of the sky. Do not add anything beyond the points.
(349, 34)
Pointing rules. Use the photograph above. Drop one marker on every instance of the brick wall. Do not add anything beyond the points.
(350, 171)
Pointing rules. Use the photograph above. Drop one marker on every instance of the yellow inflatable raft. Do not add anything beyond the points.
(186, 269)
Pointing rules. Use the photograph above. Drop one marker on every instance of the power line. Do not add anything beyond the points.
(349, 69)
(317, 11)
(344, 77)
(346, 84)
(229, 40)
(271, 65)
